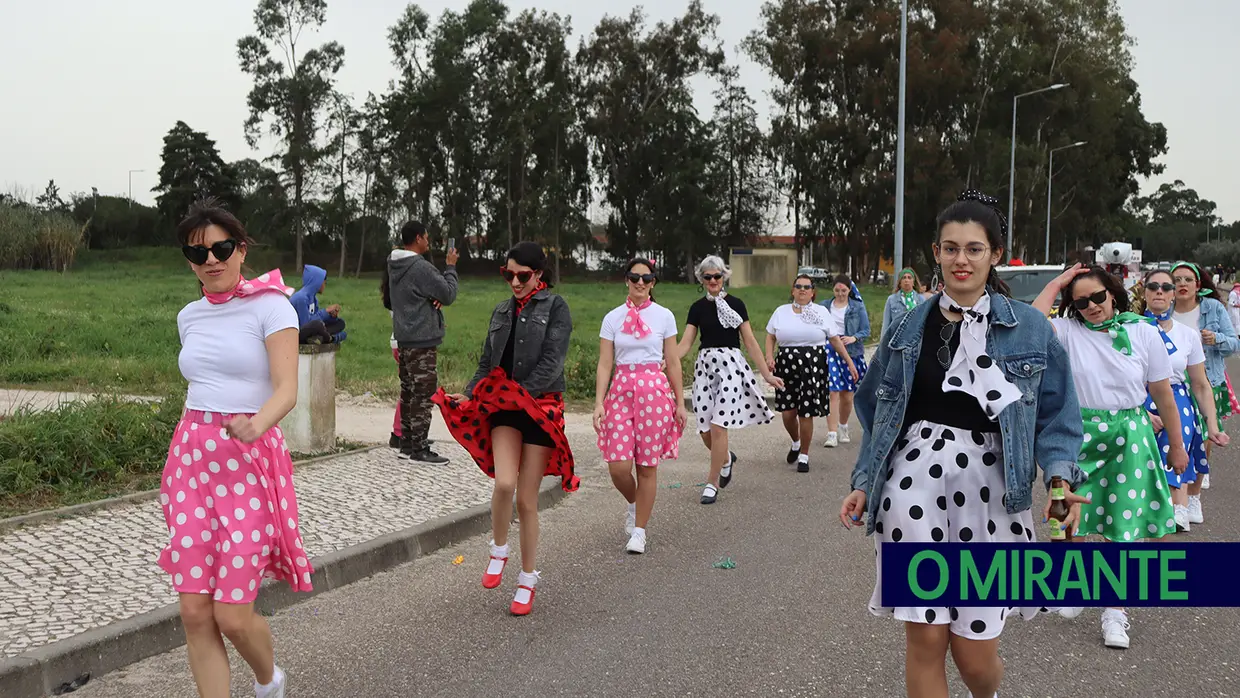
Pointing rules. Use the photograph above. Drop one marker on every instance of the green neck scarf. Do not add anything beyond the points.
(910, 297)
(1119, 333)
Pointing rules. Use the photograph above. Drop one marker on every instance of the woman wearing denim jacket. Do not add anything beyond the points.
(906, 296)
(1199, 305)
(852, 323)
(950, 456)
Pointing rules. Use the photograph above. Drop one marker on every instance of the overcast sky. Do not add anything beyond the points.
(90, 88)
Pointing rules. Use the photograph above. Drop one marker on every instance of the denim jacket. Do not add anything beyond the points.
(1214, 318)
(894, 311)
(541, 344)
(856, 324)
(1043, 427)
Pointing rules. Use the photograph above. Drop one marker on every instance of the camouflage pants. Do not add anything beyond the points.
(417, 385)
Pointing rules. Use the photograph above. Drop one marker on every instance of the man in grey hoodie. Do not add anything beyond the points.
(417, 291)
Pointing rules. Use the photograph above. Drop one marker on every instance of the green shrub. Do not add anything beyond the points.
(33, 239)
(83, 451)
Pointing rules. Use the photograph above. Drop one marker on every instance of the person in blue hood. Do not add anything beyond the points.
(318, 325)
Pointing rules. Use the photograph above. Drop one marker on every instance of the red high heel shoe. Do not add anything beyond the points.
(490, 581)
(522, 609)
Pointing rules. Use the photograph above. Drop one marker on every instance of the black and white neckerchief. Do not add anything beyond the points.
(972, 371)
(727, 317)
(809, 315)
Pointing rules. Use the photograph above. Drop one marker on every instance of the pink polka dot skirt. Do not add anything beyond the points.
(231, 512)
(640, 417)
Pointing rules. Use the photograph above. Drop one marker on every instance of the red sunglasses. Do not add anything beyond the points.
(509, 275)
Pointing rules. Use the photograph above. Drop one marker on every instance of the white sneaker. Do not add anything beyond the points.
(1115, 628)
(1071, 612)
(1205, 481)
(630, 520)
(832, 441)
(845, 437)
(275, 689)
(637, 542)
(1181, 518)
(1194, 510)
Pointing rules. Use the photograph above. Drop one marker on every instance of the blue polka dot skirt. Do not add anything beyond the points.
(839, 380)
(1194, 438)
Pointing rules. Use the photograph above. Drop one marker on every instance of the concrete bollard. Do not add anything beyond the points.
(311, 426)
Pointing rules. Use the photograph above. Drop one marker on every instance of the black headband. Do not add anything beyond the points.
(992, 202)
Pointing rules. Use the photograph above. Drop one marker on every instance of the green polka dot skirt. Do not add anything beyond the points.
(1128, 492)
(1222, 402)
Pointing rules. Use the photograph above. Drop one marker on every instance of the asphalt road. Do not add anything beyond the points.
(789, 620)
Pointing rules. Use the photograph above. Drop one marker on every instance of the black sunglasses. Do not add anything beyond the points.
(198, 254)
(803, 287)
(1098, 299)
(1155, 286)
(644, 278)
(711, 277)
(509, 275)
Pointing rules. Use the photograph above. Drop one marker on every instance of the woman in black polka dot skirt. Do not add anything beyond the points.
(989, 399)
(802, 331)
(725, 392)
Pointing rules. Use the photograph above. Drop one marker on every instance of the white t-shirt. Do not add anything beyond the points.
(1106, 379)
(224, 351)
(836, 315)
(791, 330)
(1188, 350)
(1192, 318)
(647, 350)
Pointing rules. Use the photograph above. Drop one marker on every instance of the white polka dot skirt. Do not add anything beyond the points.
(725, 391)
(804, 371)
(231, 512)
(1126, 486)
(1195, 431)
(839, 380)
(946, 485)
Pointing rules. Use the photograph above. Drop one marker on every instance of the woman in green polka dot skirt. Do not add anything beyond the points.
(1117, 357)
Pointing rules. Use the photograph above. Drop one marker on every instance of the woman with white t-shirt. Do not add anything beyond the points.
(227, 488)
(640, 419)
(1119, 359)
(1188, 361)
(802, 331)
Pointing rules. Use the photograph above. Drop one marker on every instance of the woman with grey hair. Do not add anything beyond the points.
(725, 392)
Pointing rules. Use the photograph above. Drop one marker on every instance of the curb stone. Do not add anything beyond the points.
(39, 672)
(38, 517)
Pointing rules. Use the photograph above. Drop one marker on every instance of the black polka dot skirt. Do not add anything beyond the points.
(804, 371)
(725, 391)
(946, 485)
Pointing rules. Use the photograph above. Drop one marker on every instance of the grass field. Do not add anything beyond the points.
(110, 324)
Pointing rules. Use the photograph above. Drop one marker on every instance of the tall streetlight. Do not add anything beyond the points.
(898, 258)
(131, 186)
(1012, 173)
(1050, 173)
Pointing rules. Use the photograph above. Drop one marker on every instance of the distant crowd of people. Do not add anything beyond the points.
(968, 395)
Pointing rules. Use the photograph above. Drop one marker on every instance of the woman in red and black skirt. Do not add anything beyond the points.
(511, 417)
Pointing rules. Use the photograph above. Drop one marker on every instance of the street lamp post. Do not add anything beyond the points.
(1012, 172)
(1050, 173)
(898, 257)
(131, 186)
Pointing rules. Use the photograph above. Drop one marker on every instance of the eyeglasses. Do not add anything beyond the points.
(711, 277)
(1097, 299)
(644, 278)
(973, 252)
(197, 254)
(945, 351)
(509, 275)
(1185, 279)
(803, 287)
(1155, 286)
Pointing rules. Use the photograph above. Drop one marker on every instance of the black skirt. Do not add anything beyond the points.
(531, 433)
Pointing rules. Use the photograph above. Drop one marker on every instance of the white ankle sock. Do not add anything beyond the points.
(632, 507)
(727, 467)
(500, 551)
(844, 426)
(803, 458)
(796, 446)
(277, 676)
(639, 529)
(529, 579)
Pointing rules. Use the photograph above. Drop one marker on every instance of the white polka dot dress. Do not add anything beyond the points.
(946, 485)
(725, 391)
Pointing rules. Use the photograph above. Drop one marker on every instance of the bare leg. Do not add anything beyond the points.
(208, 658)
(807, 433)
(622, 477)
(846, 405)
(533, 465)
(647, 486)
(925, 660)
(791, 424)
(718, 452)
(506, 448)
(833, 419)
(1179, 496)
(250, 634)
(979, 664)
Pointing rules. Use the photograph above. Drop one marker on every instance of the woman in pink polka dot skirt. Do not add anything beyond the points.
(641, 418)
(227, 487)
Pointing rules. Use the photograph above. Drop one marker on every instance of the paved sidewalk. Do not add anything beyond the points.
(63, 577)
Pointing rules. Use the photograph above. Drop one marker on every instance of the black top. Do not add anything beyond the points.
(927, 400)
(704, 316)
(505, 361)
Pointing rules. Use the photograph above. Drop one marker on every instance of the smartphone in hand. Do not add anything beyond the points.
(451, 243)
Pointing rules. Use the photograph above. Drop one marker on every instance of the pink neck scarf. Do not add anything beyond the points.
(271, 281)
(633, 323)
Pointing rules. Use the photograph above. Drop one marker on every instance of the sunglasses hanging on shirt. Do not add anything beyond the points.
(197, 254)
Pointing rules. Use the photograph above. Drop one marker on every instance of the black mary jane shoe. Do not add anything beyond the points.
(709, 495)
(792, 455)
(803, 466)
(725, 479)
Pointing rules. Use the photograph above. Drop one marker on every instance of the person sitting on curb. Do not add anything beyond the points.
(318, 325)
